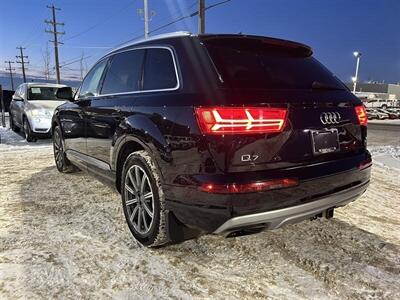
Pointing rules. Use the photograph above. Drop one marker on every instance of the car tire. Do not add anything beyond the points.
(28, 131)
(62, 163)
(12, 124)
(143, 200)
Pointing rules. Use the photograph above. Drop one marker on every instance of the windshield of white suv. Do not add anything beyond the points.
(42, 93)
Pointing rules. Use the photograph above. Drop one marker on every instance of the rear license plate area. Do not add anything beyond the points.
(325, 141)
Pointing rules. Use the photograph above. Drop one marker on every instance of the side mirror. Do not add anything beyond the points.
(17, 98)
(65, 93)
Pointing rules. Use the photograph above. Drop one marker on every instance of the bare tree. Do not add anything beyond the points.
(81, 66)
(46, 62)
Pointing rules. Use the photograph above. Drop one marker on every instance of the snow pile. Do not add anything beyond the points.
(11, 141)
(387, 156)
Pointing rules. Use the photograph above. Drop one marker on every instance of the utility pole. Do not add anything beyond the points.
(55, 41)
(11, 72)
(202, 17)
(22, 61)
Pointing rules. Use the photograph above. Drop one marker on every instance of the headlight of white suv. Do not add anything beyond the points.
(40, 113)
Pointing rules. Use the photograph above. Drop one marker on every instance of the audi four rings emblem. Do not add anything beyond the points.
(330, 118)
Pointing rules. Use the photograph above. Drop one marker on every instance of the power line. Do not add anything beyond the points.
(78, 47)
(55, 33)
(99, 23)
(33, 34)
(22, 61)
(88, 47)
(195, 13)
(217, 4)
(70, 60)
(75, 61)
(11, 72)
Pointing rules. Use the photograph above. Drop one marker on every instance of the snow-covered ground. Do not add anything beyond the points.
(64, 236)
(10, 141)
(386, 156)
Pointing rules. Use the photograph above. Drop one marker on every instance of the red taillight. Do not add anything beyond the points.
(240, 120)
(260, 186)
(361, 115)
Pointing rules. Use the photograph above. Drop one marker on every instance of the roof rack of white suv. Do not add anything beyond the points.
(152, 38)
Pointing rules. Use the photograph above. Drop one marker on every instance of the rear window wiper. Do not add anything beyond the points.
(317, 85)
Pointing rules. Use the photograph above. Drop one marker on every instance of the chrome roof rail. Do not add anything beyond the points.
(152, 38)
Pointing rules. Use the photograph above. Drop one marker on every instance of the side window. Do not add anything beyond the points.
(91, 81)
(159, 70)
(124, 73)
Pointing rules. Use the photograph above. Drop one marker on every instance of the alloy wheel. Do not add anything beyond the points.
(139, 199)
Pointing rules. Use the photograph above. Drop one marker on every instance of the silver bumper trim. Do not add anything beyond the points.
(279, 217)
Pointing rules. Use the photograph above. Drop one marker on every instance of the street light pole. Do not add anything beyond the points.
(146, 18)
(355, 78)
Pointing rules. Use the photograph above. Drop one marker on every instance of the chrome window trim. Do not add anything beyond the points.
(170, 49)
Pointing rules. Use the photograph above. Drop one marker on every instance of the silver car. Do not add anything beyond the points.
(32, 108)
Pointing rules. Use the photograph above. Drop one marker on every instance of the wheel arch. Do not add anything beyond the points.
(55, 122)
(139, 133)
(129, 146)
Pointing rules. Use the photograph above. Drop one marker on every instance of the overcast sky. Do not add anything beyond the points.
(333, 28)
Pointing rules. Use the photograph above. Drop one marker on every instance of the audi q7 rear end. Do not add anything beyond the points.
(279, 139)
(226, 134)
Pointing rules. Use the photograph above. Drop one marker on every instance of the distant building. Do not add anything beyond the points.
(387, 91)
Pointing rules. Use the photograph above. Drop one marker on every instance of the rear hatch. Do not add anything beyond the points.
(276, 107)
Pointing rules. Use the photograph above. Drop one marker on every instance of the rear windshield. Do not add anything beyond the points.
(42, 93)
(256, 64)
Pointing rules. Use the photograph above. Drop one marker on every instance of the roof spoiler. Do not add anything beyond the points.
(266, 40)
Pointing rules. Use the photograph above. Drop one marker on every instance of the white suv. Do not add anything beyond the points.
(32, 108)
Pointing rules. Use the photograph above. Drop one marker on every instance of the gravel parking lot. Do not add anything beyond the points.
(64, 236)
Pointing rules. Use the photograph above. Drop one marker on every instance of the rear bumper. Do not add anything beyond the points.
(321, 186)
(277, 218)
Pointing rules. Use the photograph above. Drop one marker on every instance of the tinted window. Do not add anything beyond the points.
(124, 74)
(159, 70)
(256, 64)
(91, 81)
